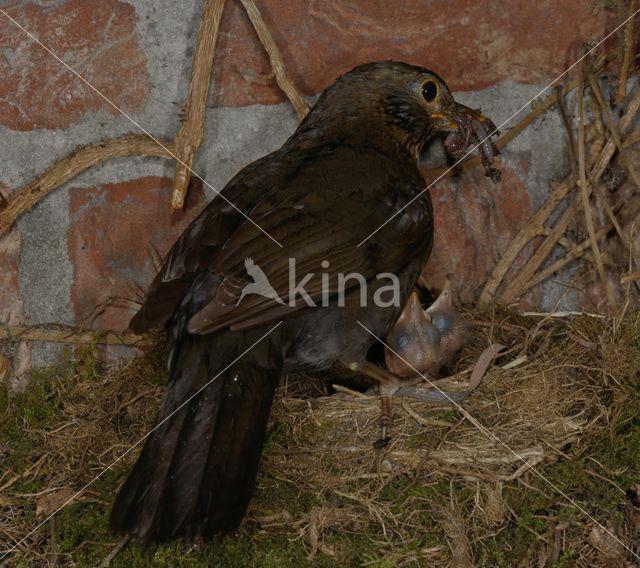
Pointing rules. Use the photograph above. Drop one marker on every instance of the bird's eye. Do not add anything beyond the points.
(402, 340)
(429, 90)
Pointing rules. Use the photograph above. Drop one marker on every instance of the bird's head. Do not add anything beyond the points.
(387, 103)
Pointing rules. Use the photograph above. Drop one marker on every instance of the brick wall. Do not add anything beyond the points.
(85, 242)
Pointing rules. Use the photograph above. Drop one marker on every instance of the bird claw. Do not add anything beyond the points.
(381, 443)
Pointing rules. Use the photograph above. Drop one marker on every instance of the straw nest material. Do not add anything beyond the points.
(528, 465)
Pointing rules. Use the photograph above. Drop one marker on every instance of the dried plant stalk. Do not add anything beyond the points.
(191, 132)
(70, 166)
(532, 229)
(615, 133)
(630, 277)
(585, 193)
(623, 76)
(275, 58)
(66, 334)
(575, 252)
(516, 285)
(536, 224)
(453, 524)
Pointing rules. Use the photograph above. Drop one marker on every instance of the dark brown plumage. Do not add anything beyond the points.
(348, 168)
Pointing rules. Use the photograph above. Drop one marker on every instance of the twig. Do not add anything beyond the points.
(630, 277)
(530, 230)
(628, 53)
(67, 334)
(615, 133)
(275, 58)
(534, 227)
(573, 153)
(517, 285)
(25, 473)
(429, 422)
(562, 314)
(71, 165)
(116, 550)
(585, 192)
(576, 251)
(624, 156)
(191, 132)
(54, 549)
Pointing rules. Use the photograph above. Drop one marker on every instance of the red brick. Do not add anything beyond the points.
(108, 235)
(474, 223)
(472, 44)
(97, 38)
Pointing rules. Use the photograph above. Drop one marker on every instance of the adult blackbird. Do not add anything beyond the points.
(347, 170)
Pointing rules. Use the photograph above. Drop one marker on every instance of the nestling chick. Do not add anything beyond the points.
(414, 341)
(450, 324)
(421, 341)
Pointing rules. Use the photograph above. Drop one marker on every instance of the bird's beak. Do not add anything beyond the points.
(444, 121)
(460, 117)
(467, 128)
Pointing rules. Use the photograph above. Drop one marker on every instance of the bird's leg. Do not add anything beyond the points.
(388, 384)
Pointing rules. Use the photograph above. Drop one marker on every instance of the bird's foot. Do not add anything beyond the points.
(381, 443)
(385, 421)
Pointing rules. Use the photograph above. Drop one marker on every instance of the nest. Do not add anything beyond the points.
(559, 386)
(452, 481)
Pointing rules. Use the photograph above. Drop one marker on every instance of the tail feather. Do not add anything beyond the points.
(196, 472)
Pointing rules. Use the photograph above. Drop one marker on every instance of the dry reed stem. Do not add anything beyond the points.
(585, 193)
(532, 229)
(624, 156)
(66, 334)
(191, 132)
(516, 286)
(575, 252)
(71, 165)
(630, 277)
(535, 226)
(275, 58)
(573, 152)
(116, 550)
(613, 129)
(623, 75)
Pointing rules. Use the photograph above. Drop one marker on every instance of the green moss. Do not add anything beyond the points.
(567, 559)
(617, 453)
(82, 527)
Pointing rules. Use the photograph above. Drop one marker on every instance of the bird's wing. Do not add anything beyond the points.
(326, 206)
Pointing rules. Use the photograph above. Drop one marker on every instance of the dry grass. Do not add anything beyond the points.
(447, 491)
